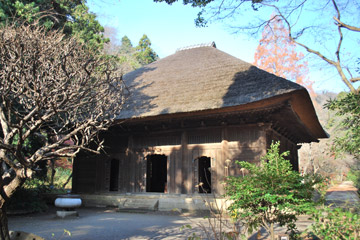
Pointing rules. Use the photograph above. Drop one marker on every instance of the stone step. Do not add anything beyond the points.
(152, 202)
(139, 204)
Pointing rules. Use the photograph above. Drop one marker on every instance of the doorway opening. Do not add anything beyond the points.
(204, 174)
(114, 175)
(156, 173)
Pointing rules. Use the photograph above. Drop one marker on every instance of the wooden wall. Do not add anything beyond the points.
(182, 149)
(285, 145)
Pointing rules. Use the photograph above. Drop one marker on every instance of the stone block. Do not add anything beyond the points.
(64, 214)
(19, 235)
(139, 204)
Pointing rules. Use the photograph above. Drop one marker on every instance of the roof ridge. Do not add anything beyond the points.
(209, 44)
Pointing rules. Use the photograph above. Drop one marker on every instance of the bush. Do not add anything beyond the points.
(60, 177)
(335, 223)
(354, 176)
(28, 198)
(271, 193)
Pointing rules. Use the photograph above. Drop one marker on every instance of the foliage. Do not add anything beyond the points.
(129, 57)
(72, 17)
(271, 193)
(348, 106)
(31, 191)
(335, 223)
(86, 28)
(278, 55)
(354, 175)
(60, 178)
(63, 163)
(126, 46)
(65, 233)
(144, 53)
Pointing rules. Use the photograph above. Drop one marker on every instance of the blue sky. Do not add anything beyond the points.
(168, 27)
(172, 27)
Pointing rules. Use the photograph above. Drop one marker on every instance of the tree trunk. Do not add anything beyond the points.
(53, 171)
(67, 181)
(6, 192)
(4, 229)
(272, 233)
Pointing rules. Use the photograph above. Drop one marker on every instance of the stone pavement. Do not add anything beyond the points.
(104, 224)
(108, 224)
(344, 194)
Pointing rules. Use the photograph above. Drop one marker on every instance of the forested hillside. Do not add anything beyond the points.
(319, 157)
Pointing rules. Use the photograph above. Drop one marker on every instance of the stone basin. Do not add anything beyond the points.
(68, 203)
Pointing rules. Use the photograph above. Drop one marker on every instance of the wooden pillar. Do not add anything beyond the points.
(178, 171)
(263, 139)
(221, 162)
(139, 172)
(168, 172)
(132, 164)
(187, 164)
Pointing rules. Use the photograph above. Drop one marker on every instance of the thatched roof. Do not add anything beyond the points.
(201, 79)
(198, 79)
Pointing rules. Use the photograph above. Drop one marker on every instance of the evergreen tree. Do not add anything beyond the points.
(126, 46)
(144, 53)
(126, 55)
(71, 16)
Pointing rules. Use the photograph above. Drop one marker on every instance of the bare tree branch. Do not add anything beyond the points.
(343, 25)
(295, 14)
(54, 90)
(355, 79)
(336, 64)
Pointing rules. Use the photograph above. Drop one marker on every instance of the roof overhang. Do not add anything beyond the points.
(291, 114)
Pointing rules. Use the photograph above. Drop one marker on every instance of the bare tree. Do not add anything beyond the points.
(322, 27)
(113, 46)
(52, 89)
(335, 60)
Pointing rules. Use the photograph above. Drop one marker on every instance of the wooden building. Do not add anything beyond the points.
(188, 118)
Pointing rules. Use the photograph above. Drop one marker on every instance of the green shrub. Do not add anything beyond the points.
(271, 193)
(61, 176)
(354, 176)
(335, 223)
(29, 198)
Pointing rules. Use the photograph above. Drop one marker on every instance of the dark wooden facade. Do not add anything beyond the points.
(127, 166)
